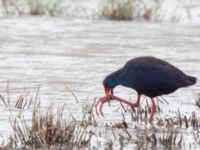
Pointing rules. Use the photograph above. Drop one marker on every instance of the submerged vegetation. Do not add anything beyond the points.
(51, 128)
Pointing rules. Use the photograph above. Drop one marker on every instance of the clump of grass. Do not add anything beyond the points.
(129, 9)
(171, 139)
(118, 10)
(167, 139)
(35, 7)
(51, 8)
(47, 129)
(32, 7)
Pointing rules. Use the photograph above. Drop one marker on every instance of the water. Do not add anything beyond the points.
(52, 53)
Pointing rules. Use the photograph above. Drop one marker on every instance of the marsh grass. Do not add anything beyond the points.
(49, 128)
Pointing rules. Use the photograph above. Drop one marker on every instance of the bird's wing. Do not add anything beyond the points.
(151, 77)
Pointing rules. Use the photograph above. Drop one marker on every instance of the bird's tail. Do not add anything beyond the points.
(191, 80)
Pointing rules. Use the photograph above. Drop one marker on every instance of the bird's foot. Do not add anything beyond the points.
(100, 103)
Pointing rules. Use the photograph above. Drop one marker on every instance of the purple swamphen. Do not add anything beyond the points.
(147, 75)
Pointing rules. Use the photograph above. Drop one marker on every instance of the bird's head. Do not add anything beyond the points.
(108, 87)
(109, 83)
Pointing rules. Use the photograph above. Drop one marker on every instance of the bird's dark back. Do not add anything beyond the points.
(153, 77)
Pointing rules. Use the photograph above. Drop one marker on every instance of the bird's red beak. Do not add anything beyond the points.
(108, 92)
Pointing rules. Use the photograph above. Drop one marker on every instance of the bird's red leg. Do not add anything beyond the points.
(136, 104)
(152, 111)
(122, 100)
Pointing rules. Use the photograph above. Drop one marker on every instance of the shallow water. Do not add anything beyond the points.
(52, 53)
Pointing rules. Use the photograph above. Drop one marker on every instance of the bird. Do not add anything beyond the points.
(147, 75)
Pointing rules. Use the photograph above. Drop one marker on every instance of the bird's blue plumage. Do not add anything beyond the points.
(149, 76)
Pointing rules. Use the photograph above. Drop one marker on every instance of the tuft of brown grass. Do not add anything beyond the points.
(51, 8)
(118, 10)
(47, 129)
(129, 9)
